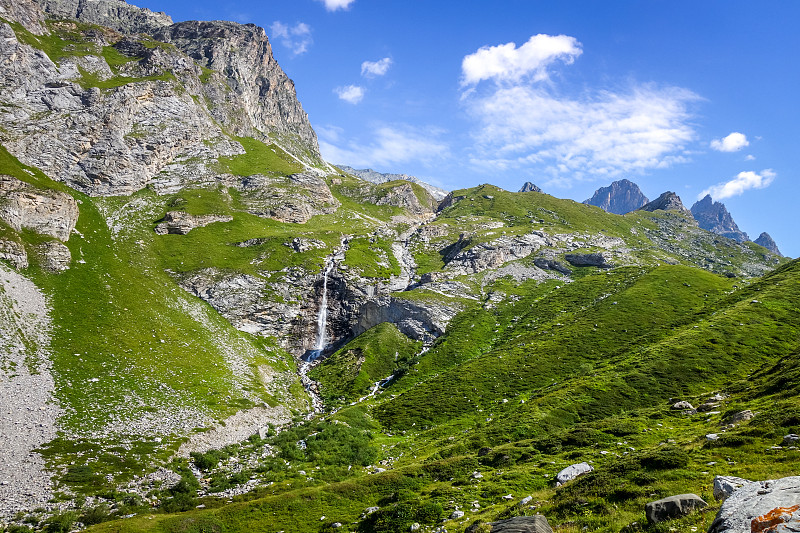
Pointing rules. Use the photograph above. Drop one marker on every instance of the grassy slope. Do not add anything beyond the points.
(690, 342)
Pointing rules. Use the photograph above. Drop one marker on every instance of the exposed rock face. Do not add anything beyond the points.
(295, 198)
(492, 254)
(404, 196)
(766, 241)
(53, 256)
(44, 211)
(668, 201)
(673, 507)
(159, 111)
(772, 505)
(419, 320)
(114, 14)
(14, 252)
(595, 260)
(529, 187)
(180, 223)
(367, 174)
(620, 197)
(714, 217)
(259, 89)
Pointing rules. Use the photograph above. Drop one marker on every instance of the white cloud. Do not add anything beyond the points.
(571, 138)
(296, 38)
(732, 143)
(372, 69)
(742, 182)
(749, 157)
(350, 93)
(333, 5)
(506, 62)
(389, 146)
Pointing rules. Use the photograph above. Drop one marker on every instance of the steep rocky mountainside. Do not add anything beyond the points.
(620, 197)
(205, 327)
(714, 217)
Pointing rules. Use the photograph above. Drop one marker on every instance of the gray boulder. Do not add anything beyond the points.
(573, 471)
(791, 439)
(772, 505)
(741, 416)
(594, 260)
(673, 507)
(725, 485)
(683, 404)
(519, 524)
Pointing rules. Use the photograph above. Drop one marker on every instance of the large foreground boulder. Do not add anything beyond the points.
(673, 507)
(518, 524)
(771, 506)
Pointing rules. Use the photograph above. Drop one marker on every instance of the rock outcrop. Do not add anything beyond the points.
(714, 217)
(115, 14)
(45, 211)
(766, 241)
(673, 507)
(620, 197)
(295, 198)
(112, 129)
(367, 174)
(405, 197)
(668, 201)
(598, 259)
(180, 223)
(529, 187)
(772, 506)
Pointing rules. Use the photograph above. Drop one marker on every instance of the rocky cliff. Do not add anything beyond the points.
(714, 217)
(108, 113)
(620, 197)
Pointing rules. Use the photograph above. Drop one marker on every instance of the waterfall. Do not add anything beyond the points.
(322, 316)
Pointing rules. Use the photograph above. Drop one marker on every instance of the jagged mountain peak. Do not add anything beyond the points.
(767, 242)
(116, 14)
(668, 201)
(714, 217)
(529, 186)
(622, 196)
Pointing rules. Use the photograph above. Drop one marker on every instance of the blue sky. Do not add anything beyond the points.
(687, 96)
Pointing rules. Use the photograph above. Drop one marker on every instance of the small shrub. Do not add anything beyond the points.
(96, 515)
(60, 523)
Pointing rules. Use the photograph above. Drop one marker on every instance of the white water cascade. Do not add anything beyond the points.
(322, 316)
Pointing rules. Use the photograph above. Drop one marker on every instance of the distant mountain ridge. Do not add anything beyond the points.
(622, 196)
(714, 217)
(367, 174)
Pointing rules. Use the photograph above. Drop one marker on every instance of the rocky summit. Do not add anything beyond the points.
(620, 197)
(529, 187)
(204, 326)
(766, 241)
(714, 217)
